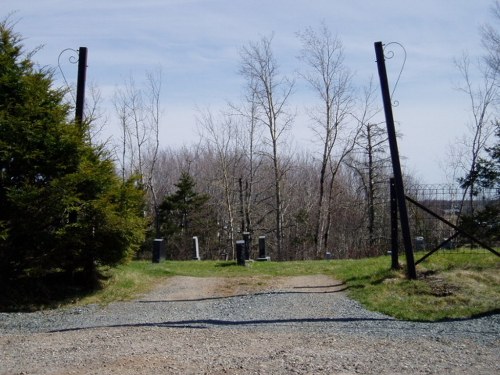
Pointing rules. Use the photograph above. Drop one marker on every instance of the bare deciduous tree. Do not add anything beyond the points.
(139, 110)
(370, 159)
(482, 98)
(153, 113)
(271, 92)
(491, 41)
(330, 79)
(94, 115)
(249, 141)
(220, 134)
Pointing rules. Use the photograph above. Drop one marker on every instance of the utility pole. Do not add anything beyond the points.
(396, 165)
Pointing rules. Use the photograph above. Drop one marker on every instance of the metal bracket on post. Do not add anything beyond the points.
(81, 60)
(396, 165)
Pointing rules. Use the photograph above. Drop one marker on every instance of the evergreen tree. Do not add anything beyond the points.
(485, 224)
(62, 206)
(185, 214)
(487, 172)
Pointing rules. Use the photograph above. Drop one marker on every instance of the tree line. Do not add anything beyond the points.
(305, 203)
(334, 199)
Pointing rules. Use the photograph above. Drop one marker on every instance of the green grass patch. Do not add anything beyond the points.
(126, 282)
(449, 285)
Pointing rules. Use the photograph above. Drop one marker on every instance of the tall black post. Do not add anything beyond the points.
(394, 227)
(396, 165)
(80, 84)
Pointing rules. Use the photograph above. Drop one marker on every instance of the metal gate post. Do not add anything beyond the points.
(396, 165)
(394, 227)
(80, 84)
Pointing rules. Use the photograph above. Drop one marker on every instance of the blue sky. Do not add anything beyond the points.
(197, 44)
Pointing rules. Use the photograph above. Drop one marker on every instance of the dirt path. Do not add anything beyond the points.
(161, 348)
(191, 288)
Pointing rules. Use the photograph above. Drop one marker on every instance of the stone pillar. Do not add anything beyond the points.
(196, 249)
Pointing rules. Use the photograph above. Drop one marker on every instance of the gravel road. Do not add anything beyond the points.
(299, 325)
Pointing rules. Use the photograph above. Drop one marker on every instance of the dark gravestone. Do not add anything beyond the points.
(240, 252)
(159, 251)
(419, 243)
(262, 249)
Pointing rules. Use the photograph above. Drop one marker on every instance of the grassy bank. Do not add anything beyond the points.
(449, 286)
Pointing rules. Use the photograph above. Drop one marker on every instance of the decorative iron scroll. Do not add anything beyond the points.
(389, 54)
(73, 59)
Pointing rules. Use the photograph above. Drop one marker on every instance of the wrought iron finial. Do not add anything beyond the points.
(73, 59)
(389, 54)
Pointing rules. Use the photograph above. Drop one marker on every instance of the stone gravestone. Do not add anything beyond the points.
(159, 252)
(240, 252)
(196, 249)
(262, 249)
(420, 243)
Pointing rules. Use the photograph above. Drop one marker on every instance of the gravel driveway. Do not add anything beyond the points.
(299, 325)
